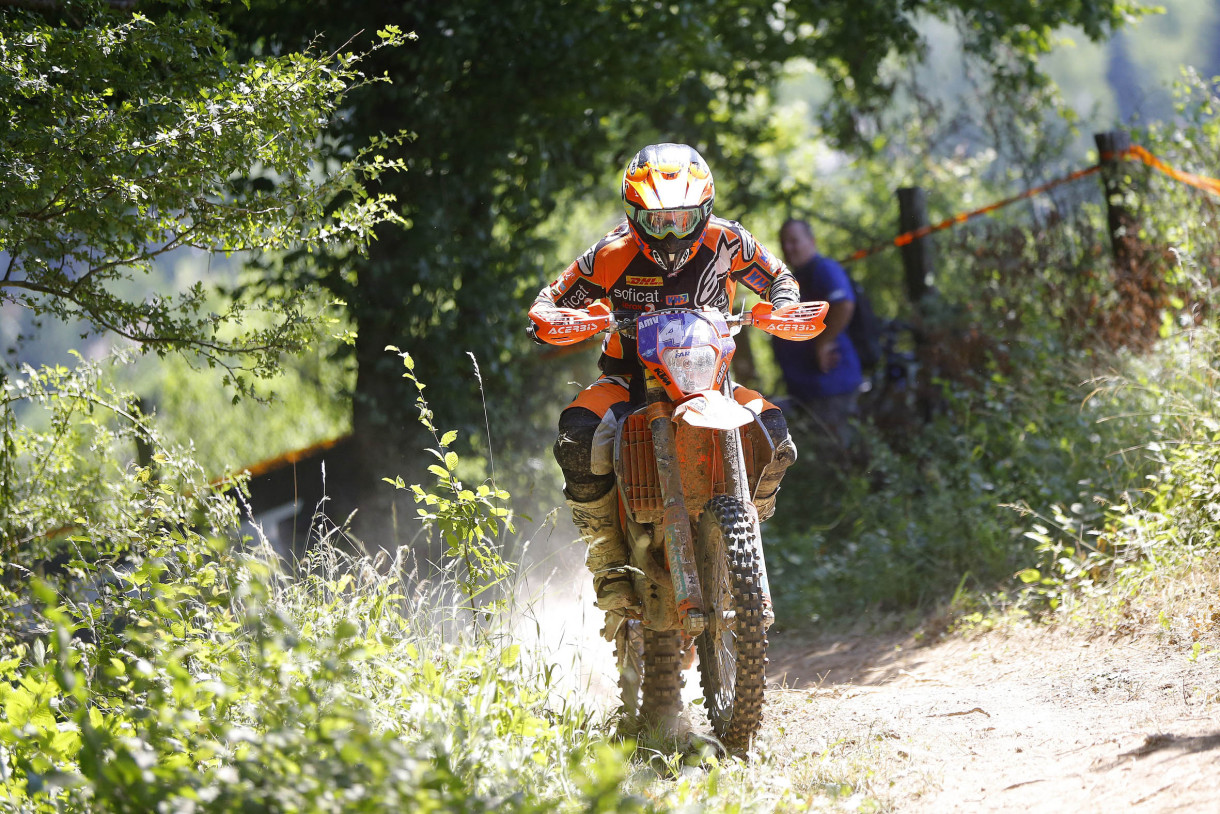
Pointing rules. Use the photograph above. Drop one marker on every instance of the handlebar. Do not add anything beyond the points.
(567, 326)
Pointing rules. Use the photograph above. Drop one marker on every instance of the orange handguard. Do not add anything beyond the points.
(798, 321)
(567, 326)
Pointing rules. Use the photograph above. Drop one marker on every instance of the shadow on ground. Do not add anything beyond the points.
(800, 661)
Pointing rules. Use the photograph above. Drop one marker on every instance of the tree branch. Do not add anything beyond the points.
(54, 5)
(99, 320)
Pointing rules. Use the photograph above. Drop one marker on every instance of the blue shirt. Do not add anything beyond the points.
(820, 279)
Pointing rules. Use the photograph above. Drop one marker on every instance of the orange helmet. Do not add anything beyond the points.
(668, 194)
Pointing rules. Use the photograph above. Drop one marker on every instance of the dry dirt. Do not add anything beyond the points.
(1028, 720)
(1017, 720)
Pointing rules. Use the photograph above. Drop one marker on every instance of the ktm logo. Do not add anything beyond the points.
(650, 281)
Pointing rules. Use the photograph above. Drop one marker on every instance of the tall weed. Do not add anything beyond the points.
(1171, 520)
(917, 518)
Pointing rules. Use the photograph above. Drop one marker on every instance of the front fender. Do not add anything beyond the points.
(713, 410)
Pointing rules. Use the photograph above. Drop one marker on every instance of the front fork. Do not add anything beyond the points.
(679, 544)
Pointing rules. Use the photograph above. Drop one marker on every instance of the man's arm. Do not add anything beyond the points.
(574, 290)
(784, 290)
(825, 344)
(832, 278)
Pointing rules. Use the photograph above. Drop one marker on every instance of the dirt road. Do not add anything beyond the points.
(1025, 720)
(1029, 721)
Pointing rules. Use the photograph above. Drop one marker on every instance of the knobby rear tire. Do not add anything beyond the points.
(649, 672)
(629, 656)
(733, 647)
(662, 685)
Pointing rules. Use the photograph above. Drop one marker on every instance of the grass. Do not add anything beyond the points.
(1142, 562)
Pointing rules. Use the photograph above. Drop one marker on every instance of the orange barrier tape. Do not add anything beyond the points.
(906, 238)
(291, 457)
(1200, 181)
(1135, 152)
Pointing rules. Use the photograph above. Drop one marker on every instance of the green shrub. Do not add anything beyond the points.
(160, 666)
(1173, 517)
(921, 514)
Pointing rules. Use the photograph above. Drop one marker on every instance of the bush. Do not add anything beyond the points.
(921, 513)
(158, 665)
(1172, 518)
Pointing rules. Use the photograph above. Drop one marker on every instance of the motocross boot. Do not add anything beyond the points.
(598, 523)
(772, 474)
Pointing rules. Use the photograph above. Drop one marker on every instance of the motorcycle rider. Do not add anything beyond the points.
(670, 252)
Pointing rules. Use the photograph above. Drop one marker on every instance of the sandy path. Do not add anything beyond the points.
(1027, 721)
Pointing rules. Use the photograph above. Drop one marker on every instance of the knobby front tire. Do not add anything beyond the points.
(733, 647)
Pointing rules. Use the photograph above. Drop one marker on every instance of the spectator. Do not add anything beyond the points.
(824, 375)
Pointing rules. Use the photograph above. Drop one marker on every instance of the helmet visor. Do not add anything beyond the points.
(677, 222)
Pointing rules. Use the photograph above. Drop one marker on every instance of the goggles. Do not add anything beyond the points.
(661, 222)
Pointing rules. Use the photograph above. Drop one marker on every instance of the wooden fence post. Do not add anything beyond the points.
(916, 255)
(1124, 226)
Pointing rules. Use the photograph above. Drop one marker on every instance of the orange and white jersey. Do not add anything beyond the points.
(618, 272)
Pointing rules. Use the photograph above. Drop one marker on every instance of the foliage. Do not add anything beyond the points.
(466, 519)
(1170, 520)
(492, 157)
(128, 137)
(919, 513)
(306, 401)
(1176, 215)
(78, 471)
(157, 665)
(325, 694)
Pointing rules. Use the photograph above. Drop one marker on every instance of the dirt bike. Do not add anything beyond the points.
(687, 462)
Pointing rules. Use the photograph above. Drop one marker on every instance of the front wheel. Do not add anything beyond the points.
(733, 646)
